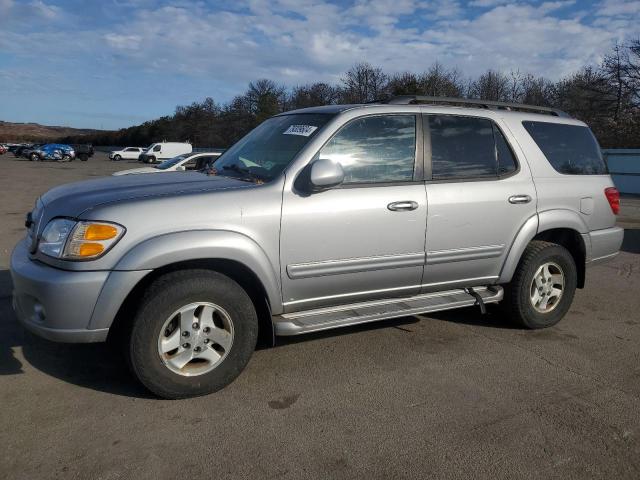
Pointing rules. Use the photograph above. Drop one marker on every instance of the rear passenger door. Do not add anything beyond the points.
(479, 195)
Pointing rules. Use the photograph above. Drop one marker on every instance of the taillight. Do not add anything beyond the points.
(613, 196)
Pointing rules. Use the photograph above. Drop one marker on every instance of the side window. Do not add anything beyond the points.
(570, 149)
(468, 148)
(156, 148)
(461, 147)
(190, 164)
(506, 161)
(375, 149)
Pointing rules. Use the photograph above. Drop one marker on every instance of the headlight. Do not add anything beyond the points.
(64, 238)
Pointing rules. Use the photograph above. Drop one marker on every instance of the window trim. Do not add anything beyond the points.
(428, 159)
(418, 161)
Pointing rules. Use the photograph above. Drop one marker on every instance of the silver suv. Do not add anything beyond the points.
(317, 219)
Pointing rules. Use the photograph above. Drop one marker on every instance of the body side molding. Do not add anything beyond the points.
(353, 265)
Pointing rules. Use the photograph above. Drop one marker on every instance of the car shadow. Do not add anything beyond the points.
(631, 241)
(101, 367)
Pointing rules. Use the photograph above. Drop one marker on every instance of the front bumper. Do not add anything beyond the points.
(55, 304)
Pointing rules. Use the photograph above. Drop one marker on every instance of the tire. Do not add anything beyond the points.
(66, 158)
(83, 157)
(150, 160)
(116, 158)
(526, 306)
(34, 157)
(163, 299)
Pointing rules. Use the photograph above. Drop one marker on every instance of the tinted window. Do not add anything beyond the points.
(506, 161)
(462, 147)
(375, 149)
(570, 149)
(190, 164)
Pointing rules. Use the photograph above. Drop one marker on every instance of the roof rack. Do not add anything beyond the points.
(472, 102)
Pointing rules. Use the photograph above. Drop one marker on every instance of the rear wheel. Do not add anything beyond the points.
(83, 157)
(193, 334)
(34, 157)
(66, 158)
(543, 286)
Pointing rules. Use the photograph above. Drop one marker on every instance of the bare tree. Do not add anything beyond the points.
(363, 83)
(312, 95)
(491, 85)
(439, 81)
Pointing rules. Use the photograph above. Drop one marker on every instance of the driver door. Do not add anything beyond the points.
(364, 239)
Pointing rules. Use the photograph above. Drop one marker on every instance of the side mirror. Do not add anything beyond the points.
(326, 174)
(180, 168)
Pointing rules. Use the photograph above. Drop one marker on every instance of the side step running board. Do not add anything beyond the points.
(355, 313)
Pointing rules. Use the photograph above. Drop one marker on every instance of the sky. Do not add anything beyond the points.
(115, 63)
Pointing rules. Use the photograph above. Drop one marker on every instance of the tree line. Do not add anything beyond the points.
(607, 97)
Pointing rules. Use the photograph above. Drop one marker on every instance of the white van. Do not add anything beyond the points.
(158, 152)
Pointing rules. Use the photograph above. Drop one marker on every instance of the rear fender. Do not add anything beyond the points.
(543, 221)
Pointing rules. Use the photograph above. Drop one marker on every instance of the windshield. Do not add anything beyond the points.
(170, 162)
(267, 150)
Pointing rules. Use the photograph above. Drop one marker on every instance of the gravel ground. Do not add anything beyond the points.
(449, 395)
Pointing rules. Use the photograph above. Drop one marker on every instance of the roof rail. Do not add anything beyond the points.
(473, 102)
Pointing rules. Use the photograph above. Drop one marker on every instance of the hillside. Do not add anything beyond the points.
(25, 132)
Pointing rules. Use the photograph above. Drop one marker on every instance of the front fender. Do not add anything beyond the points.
(177, 247)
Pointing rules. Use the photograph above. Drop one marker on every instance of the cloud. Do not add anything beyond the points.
(217, 47)
(611, 8)
(306, 41)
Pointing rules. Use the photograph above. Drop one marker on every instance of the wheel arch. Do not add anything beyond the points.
(230, 253)
(235, 270)
(563, 227)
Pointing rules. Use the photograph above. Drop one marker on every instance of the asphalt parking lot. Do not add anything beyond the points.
(449, 395)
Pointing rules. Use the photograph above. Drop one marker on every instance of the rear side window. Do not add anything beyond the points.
(468, 148)
(570, 149)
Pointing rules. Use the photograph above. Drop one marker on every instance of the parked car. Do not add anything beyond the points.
(129, 153)
(29, 149)
(318, 219)
(53, 151)
(84, 151)
(190, 161)
(158, 152)
(17, 151)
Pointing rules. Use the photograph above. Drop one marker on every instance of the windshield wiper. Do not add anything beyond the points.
(247, 174)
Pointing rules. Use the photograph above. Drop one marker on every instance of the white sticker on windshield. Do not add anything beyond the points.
(304, 130)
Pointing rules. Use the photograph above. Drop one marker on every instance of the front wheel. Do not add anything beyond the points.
(117, 158)
(66, 158)
(34, 157)
(542, 289)
(193, 334)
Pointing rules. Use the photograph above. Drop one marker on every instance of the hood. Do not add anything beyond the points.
(74, 198)
(133, 171)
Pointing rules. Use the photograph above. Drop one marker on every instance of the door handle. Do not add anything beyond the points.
(519, 199)
(402, 206)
